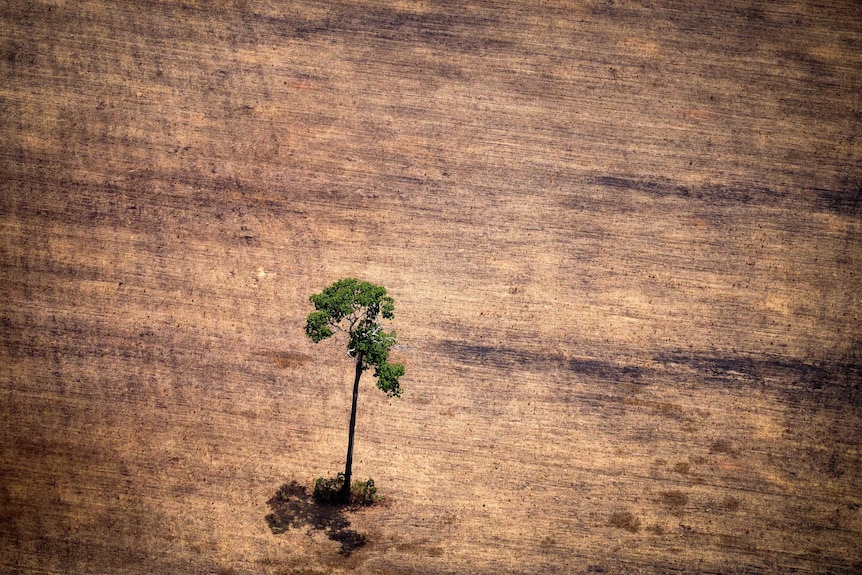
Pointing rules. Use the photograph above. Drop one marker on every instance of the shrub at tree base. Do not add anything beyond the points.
(363, 493)
(330, 491)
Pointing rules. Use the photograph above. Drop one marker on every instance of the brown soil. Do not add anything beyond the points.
(624, 239)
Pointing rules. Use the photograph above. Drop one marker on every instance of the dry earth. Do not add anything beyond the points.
(624, 239)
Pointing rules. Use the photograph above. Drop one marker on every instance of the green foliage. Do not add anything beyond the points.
(387, 375)
(329, 491)
(317, 327)
(356, 308)
(363, 493)
(344, 298)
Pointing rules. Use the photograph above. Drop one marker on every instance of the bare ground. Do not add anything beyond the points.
(624, 239)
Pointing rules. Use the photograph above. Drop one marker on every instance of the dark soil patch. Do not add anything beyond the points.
(625, 520)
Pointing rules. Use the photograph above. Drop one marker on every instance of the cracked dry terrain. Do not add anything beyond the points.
(624, 239)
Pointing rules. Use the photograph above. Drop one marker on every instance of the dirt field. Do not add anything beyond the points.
(624, 239)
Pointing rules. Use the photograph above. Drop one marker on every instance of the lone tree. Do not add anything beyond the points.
(356, 308)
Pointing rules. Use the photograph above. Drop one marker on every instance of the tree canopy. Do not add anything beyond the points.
(356, 308)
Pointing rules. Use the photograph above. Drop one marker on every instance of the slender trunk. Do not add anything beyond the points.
(348, 467)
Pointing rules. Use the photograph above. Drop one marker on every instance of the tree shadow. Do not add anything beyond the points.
(294, 508)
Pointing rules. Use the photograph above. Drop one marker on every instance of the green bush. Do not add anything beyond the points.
(363, 492)
(328, 491)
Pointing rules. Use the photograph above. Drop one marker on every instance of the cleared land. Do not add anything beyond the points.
(624, 239)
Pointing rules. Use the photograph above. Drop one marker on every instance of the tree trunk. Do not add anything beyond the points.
(348, 467)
